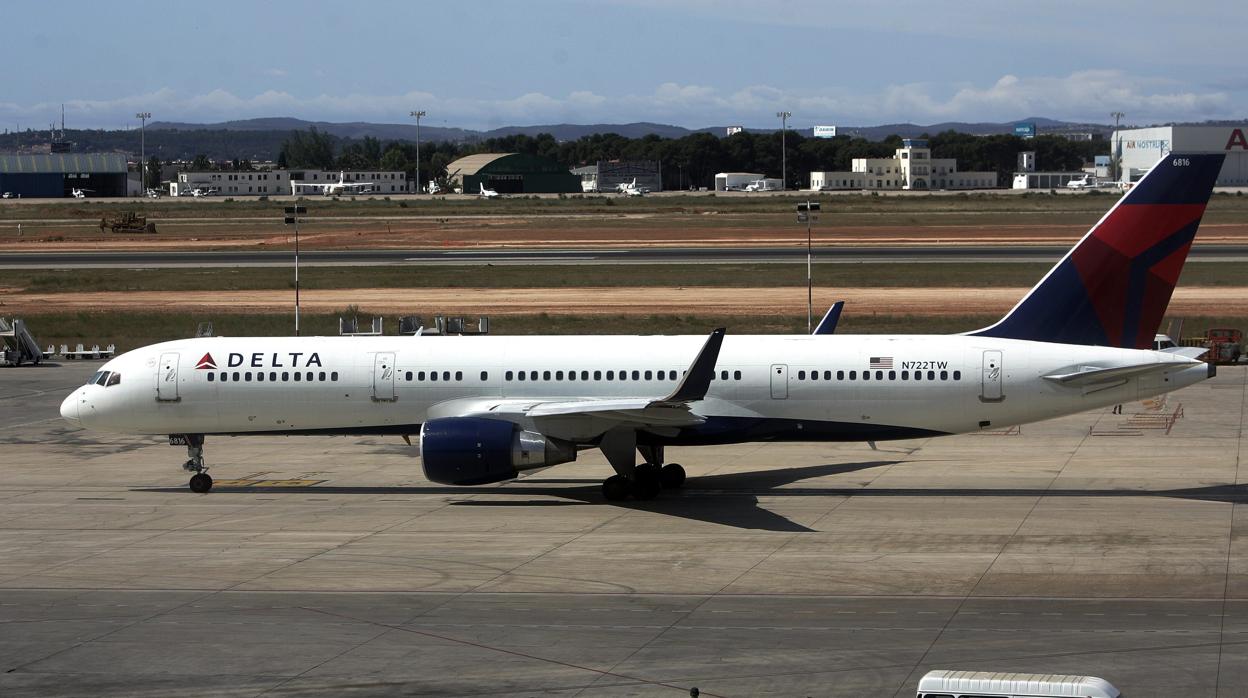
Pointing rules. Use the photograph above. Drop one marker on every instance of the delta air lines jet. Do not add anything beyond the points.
(487, 408)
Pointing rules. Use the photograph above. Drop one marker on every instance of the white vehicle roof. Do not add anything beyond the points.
(985, 683)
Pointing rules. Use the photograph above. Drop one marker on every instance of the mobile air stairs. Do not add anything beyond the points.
(19, 346)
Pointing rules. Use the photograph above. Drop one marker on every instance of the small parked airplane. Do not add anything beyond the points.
(79, 193)
(332, 188)
(1086, 182)
(487, 408)
(487, 193)
(630, 188)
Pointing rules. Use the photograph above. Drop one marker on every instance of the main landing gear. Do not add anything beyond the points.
(201, 481)
(640, 481)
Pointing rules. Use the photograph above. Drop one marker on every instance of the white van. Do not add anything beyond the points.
(984, 684)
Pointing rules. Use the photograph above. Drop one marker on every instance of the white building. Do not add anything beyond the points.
(735, 181)
(278, 182)
(1139, 149)
(911, 168)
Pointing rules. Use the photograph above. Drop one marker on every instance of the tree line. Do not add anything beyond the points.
(690, 161)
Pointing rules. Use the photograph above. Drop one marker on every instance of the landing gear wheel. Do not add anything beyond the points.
(201, 483)
(615, 488)
(646, 482)
(672, 476)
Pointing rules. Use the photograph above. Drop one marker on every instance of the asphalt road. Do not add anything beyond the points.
(633, 255)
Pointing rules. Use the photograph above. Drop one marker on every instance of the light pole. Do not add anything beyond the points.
(805, 214)
(292, 218)
(418, 114)
(143, 116)
(1113, 157)
(784, 153)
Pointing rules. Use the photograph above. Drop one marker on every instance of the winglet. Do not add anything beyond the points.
(828, 324)
(698, 378)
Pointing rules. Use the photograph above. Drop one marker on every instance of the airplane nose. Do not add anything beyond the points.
(69, 409)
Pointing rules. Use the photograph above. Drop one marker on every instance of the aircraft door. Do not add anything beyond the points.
(383, 377)
(167, 378)
(779, 381)
(992, 377)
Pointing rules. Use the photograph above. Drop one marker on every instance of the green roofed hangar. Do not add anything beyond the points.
(512, 173)
(59, 174)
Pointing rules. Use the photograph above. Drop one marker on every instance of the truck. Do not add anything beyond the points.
(127, 222)
(1225, 345)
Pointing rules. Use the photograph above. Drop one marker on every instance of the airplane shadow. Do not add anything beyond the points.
(727, 499)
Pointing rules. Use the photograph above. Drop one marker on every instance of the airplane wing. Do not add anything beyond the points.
(672, 410)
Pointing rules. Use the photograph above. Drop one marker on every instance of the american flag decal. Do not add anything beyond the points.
(882, 362)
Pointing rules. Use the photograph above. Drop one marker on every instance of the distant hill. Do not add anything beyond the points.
(571, 132)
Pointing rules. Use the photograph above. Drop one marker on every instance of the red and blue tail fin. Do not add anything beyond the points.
(1113, 287)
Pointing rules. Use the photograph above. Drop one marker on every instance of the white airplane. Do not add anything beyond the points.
(487, 193)
(79, 193)
(630, 188)
(199, 193)
(1086, 182)
(487, 408)
(339, 187)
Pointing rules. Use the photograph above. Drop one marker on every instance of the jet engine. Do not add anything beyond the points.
(475, 451)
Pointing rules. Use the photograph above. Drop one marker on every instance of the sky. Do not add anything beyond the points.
(481, 64)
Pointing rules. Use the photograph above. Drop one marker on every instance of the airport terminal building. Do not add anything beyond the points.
(57, 175)
(1138, 149)
(911, 168)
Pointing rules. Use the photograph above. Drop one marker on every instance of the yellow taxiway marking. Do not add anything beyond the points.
(267, 483)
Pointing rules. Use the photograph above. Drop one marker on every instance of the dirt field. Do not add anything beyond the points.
(597, 301)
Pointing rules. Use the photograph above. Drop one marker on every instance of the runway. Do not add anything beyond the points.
(1093, 544)
(636, 255)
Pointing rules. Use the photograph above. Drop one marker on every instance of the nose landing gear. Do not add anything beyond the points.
(201, 481)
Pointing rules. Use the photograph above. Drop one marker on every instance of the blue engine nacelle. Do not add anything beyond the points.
(475, 451)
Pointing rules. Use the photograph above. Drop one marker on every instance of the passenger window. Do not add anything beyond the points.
(507, 376)
(236, 376)
(723, 375)
(286, 376)
(545, 375)
(571, 375)
(260, 376)
(840, 375)
(597, 375)
(827, 375)
(247, 376)
(433, 376)
(420, 375)
(485, 376)
(584, 375)
(931, 375)
(532, 375)
(310, 376)
(334, 376)
(892, 375)
(224, 377)
(459, 375)
(648, 375)
(409, 375)
(801, 375)
(853, 375)
(944, 375)
(905, 375)
(211, 376)
(736, 375)
(558, 375)
(918, 375)
(957, 375)
(321, 376)
(298, 376)
(879, 375)
(866, 375)
(814, 375)
(520, 375)
(636, 375)
(610, 375)
(446, 375)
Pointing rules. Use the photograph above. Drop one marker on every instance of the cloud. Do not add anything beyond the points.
(1088, 95)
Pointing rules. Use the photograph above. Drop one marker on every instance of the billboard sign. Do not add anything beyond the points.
(825, 132)
(1025, 130)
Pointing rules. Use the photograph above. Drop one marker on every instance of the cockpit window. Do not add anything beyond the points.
(95, 378)
(113, 379)
(101, 378)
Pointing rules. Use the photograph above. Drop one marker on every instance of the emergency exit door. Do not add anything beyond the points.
(167, 378)
(779, 381)
(991, 389)
(383, 377)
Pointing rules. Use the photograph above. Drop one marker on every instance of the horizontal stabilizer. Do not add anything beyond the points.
(1082, 376)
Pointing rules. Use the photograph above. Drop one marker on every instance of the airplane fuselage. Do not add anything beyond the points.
(797, 387)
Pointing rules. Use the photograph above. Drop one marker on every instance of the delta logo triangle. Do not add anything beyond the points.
(206, 362)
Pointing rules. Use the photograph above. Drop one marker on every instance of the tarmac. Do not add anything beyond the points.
(1095, 544)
